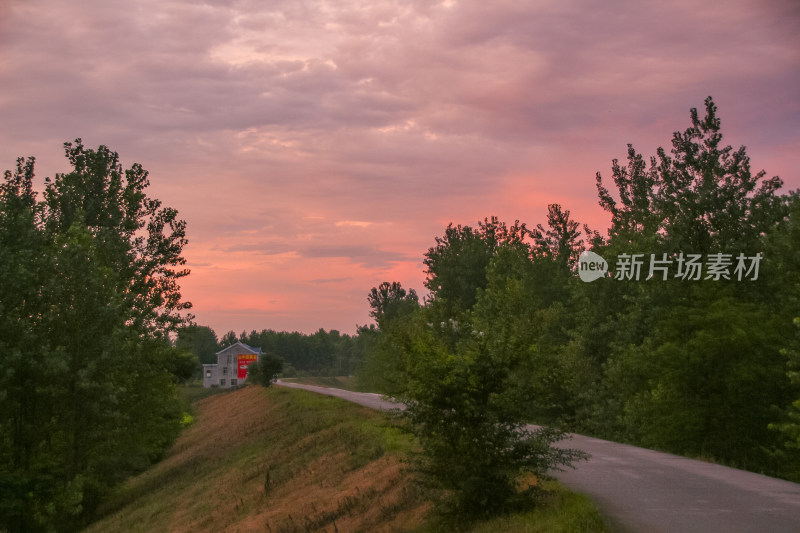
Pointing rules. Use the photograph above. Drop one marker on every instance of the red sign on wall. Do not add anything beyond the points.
(244, 360)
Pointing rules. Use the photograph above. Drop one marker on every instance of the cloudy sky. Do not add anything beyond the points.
(316, 148)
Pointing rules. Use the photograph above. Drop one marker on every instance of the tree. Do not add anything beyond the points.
(707, 197)
(228, 339)
(323, 353)
(465, 355)
(456, 265)
(389, 300)
(636, 187)
(88, 382)
(785, 271)
(265, 369)
(466, 410)
(200, 341)
(702, 198)
(790, 425)
(560, 241)
(383, 367)
(702, 358)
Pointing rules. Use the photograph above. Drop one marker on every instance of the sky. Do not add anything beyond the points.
(317, 148)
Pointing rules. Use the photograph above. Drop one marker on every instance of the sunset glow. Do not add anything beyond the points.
(316, 149)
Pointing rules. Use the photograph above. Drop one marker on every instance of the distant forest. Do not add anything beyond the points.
(323, 353)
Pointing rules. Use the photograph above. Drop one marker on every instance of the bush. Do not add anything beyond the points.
(263, 371)
(469, 419)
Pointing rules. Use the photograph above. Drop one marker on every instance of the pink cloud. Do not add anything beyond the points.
(317, 149)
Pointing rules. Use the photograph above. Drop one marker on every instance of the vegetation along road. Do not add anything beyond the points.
(647, 491)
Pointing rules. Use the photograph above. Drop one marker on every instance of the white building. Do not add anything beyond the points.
(231, 367)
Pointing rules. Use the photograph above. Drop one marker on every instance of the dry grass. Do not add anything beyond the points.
(272, 460)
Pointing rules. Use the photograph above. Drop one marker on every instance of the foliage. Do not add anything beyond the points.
(560, 241)
(200, 341)
(791, 427)
(693, 367)
(265, 369)
(702, 198)
(183, 365)
(456, 265)
(88, 294)
(390, 300)
(783, 243)
(700, 367)
(469, 419)
(384, 370)
(228, 339)
(459, 374)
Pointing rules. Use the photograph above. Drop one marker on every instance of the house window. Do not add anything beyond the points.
(208, 373)
(222, 382)
(224, 370)
(234, 382)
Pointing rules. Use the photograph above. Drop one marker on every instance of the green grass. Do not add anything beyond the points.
(564, 512)
(193, 391)
(560, 511)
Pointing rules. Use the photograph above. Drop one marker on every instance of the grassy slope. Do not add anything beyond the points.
(286, 460)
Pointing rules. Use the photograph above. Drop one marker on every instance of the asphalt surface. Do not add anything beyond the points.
(644, 491)
(367, 399)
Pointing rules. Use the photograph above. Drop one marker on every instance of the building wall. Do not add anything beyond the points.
(225, 372)
(221, 375)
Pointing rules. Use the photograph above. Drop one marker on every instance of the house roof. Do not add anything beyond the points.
(251, 349)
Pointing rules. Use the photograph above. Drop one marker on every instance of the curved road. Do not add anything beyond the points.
(646, 491)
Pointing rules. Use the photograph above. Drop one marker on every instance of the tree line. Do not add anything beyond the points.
(702, 362)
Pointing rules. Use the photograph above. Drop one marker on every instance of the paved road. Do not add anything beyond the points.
(652, 492)
(368, 399)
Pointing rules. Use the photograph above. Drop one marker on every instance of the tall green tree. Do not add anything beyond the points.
(200, 341)
(526, 312)
(389, 300)
(87, 380)
(384, 366)
(264, 370)
(702, 196)
(467, 403)
(456, 264)
(466, 356)
(228, 339)
(560, 241)
(691, 365)
(784, 273)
